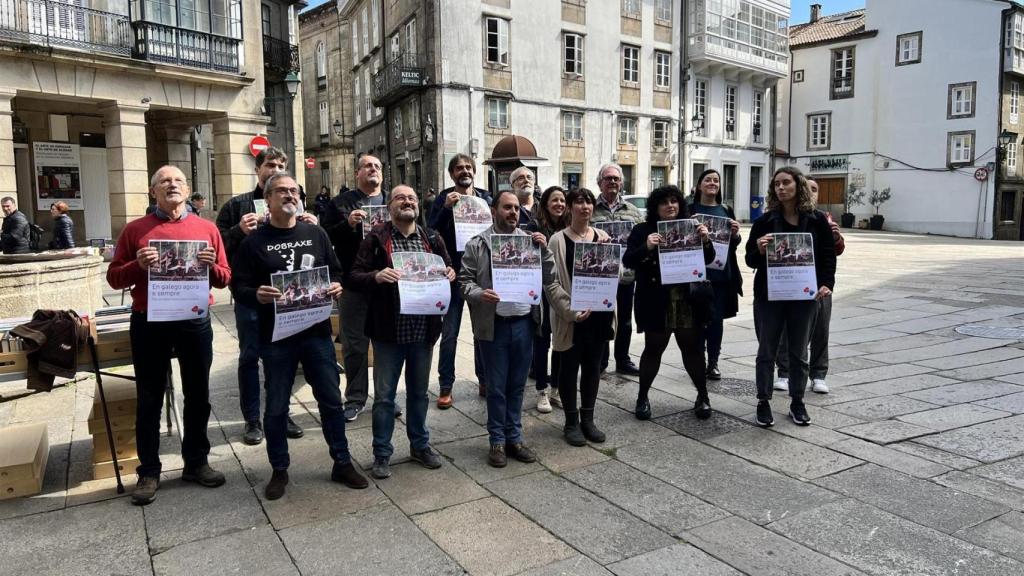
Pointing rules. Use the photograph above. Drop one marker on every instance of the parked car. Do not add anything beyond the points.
(637, 200)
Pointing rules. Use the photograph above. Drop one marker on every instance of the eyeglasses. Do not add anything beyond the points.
(286, 191)
(612, 179)
(412, 199)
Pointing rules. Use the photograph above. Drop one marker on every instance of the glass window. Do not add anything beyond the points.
(573, 44)
(660, 137)
(497, 113)
(630, 64)
(842, 73)
(355, 42)
(265, 17)
(572, 126)
(366, 31)
(321, 60)
(631, 8)
(663, 11)
(700, 105)
(410, 37)
(757, 113)
(961, 148)
(961, 100)
(325, 125)
(1014, 99)
(627, 131)
(730, 112)
(1011, 159)
(368, 95)
(818, 131)
(908, 48)
(657, 176)
(357, 95)
(375, 16)
(662, 69)
(497, 41)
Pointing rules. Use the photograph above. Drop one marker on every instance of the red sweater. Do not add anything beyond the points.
(124, 270)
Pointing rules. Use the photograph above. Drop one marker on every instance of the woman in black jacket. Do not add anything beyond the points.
(63, 227)
(663, 311)
(790, 210)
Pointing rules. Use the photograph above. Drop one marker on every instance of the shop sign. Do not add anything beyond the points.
(830, 164)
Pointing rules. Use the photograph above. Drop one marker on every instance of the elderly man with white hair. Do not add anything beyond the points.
(524, 184)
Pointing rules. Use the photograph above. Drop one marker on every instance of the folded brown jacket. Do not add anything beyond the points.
(52, 340)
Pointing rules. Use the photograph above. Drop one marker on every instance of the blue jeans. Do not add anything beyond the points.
(449, 339)
(716, 328)
(506, 378)
(280, 360)
(247, 325)
(388, 359)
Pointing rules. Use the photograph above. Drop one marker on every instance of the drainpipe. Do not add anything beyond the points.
(683, 81)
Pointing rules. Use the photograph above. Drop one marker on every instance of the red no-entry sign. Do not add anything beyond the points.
(310, 163)
(258, 144)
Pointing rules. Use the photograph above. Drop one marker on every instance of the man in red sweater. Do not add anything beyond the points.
(154, 342)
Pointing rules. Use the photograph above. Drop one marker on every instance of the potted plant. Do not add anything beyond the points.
(854, 197)
(876, 200)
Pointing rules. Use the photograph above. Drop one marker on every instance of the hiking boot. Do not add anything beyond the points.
(352, 412)
(764, 414)
(798, 412)
(818, 385)
(253, 434)
(445, 400)
(204, 476)
(520, 452)
(145, 490)
(496, 456)
(543, 404)
(643, 409)
(347, 474)
(381, 468)
(428, 457)
(571, 431)
(275, 488)
(294, 430)
(590, 431)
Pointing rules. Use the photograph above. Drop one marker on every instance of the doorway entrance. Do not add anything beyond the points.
(831, 194)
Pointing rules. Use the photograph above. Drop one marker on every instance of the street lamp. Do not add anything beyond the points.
(1005, 138)
(337, 128)
(291, 83)
(697, 123)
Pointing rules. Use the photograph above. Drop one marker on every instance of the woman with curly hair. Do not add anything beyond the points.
(790, 210)
(664, 312)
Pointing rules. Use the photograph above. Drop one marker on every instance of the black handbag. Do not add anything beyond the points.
(700, 296)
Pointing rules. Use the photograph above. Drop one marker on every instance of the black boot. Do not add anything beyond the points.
(643, 408)
(702, 407)
(572, 432)
(587, 426)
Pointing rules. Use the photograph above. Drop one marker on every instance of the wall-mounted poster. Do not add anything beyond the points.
(58, 175)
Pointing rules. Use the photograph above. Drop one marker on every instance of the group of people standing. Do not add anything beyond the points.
(264, 232)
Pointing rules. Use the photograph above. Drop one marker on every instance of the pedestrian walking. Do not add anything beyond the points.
(63, 227)
(14, 238)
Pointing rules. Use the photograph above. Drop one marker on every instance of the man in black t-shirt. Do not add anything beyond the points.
(288, 245)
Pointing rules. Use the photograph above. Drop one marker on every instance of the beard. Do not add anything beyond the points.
(289, 209)
(465, 182)
(406, 215)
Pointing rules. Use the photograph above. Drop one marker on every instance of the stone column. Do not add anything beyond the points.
(127, 171)
(8, 178)
(233, 163)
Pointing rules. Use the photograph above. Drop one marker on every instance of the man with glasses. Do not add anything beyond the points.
(612, 207)
(286, 244)
(524, 184)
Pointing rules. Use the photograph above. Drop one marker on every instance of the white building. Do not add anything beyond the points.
(737, 53)
(905, 96)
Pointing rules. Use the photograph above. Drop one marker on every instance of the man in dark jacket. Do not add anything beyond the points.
(343, 221)
(237, 219)
(399, 340)
(462, 169)
(15, 236)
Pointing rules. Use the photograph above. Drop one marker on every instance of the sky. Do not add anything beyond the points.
(802, 8)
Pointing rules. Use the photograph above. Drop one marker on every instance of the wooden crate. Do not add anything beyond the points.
(117, 423)
(339, 352)
(102, 470)
(24, 449)
(13, 363)
(121, 398)
(124, 443)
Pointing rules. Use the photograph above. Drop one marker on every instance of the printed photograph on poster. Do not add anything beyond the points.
(515, 268)
(791, 273)
(618, 230)
(472, 216)
(595, 276)
(179, 284)
(58, 174)
(681, 254)
(423, 288)
(261, 209)
(375, 215)
(304, 300)
(720, 233)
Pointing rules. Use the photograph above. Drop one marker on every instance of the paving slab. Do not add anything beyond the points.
(256, 551)
(973, 359)
(552, 450)
(755, 550)
(920, 501)
(934, 454)
(813, 434)
(983, 371)
(470, 456)
(794, 457)
(965, 392)
(1017, 378)
(885, 431)
(945, 350)
(414, 489)
(622, 393)
(868, 375)
(901, 342)
(620, 427)
(729, 482)
(576, 566)
(919, 325)
(1004, 535)
(676, 560)
(377, 541)
(987, 442)
(877, 542)
(887, 457)
(1013, 403)
(489, 538)
(587, 522)
(881, 407)
(646, 497)
(950, 417)
(904, 384)
(88, 539)
(1010, 471)
(847, 337)
(446, 426)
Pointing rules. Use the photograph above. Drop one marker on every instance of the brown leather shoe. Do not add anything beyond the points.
(496, 456)
(445, 400)
(520, 452)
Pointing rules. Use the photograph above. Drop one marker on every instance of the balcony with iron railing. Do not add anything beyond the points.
(399, 77)
(56, 24)
(279, 57)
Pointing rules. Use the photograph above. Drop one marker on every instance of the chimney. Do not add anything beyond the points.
(815, 12)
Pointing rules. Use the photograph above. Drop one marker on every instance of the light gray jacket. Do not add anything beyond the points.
(475, 277)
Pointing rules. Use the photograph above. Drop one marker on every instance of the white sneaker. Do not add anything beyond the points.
(543, 404)
(553, 397)
(782, 384)
(819, 386)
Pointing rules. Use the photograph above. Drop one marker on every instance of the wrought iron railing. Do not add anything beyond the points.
(399, 76)
(160, 43)
(280, 57)
(59, 24)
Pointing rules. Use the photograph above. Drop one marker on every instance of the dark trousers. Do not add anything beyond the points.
(355, 346)
(716, 327)
(152, 345)
(689, 342)
(449, 342)
(624, 329)
(773, 320)
(818, 361)
(247, 326)
(541, 345)
(583, 360)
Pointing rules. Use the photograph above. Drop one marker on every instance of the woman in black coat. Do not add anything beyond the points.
(665, 311)
(790, 210)
(63, 227)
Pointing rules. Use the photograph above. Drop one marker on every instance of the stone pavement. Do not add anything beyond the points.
(914, 463)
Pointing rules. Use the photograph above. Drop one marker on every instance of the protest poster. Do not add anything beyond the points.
(618, 230)
(720, 233)
(375, 215)
(179, 284)
(472, 216)
(58, 174)
(791, 274)
(304, 300)
(423, 288)
(681, 253)
(595, 276)
(515, 268)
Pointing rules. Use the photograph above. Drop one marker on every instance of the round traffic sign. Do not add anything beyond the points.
(981, 174)
(258, 144)
(310, 163)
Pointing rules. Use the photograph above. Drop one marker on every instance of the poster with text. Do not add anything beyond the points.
(424, 288)
(720, 232)
(58, 175)
(791, 274)
(375, 216)
(179, 284)
(304, 300)
(472, 216)
(681, 254)
(595, 276)
(515, 268)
